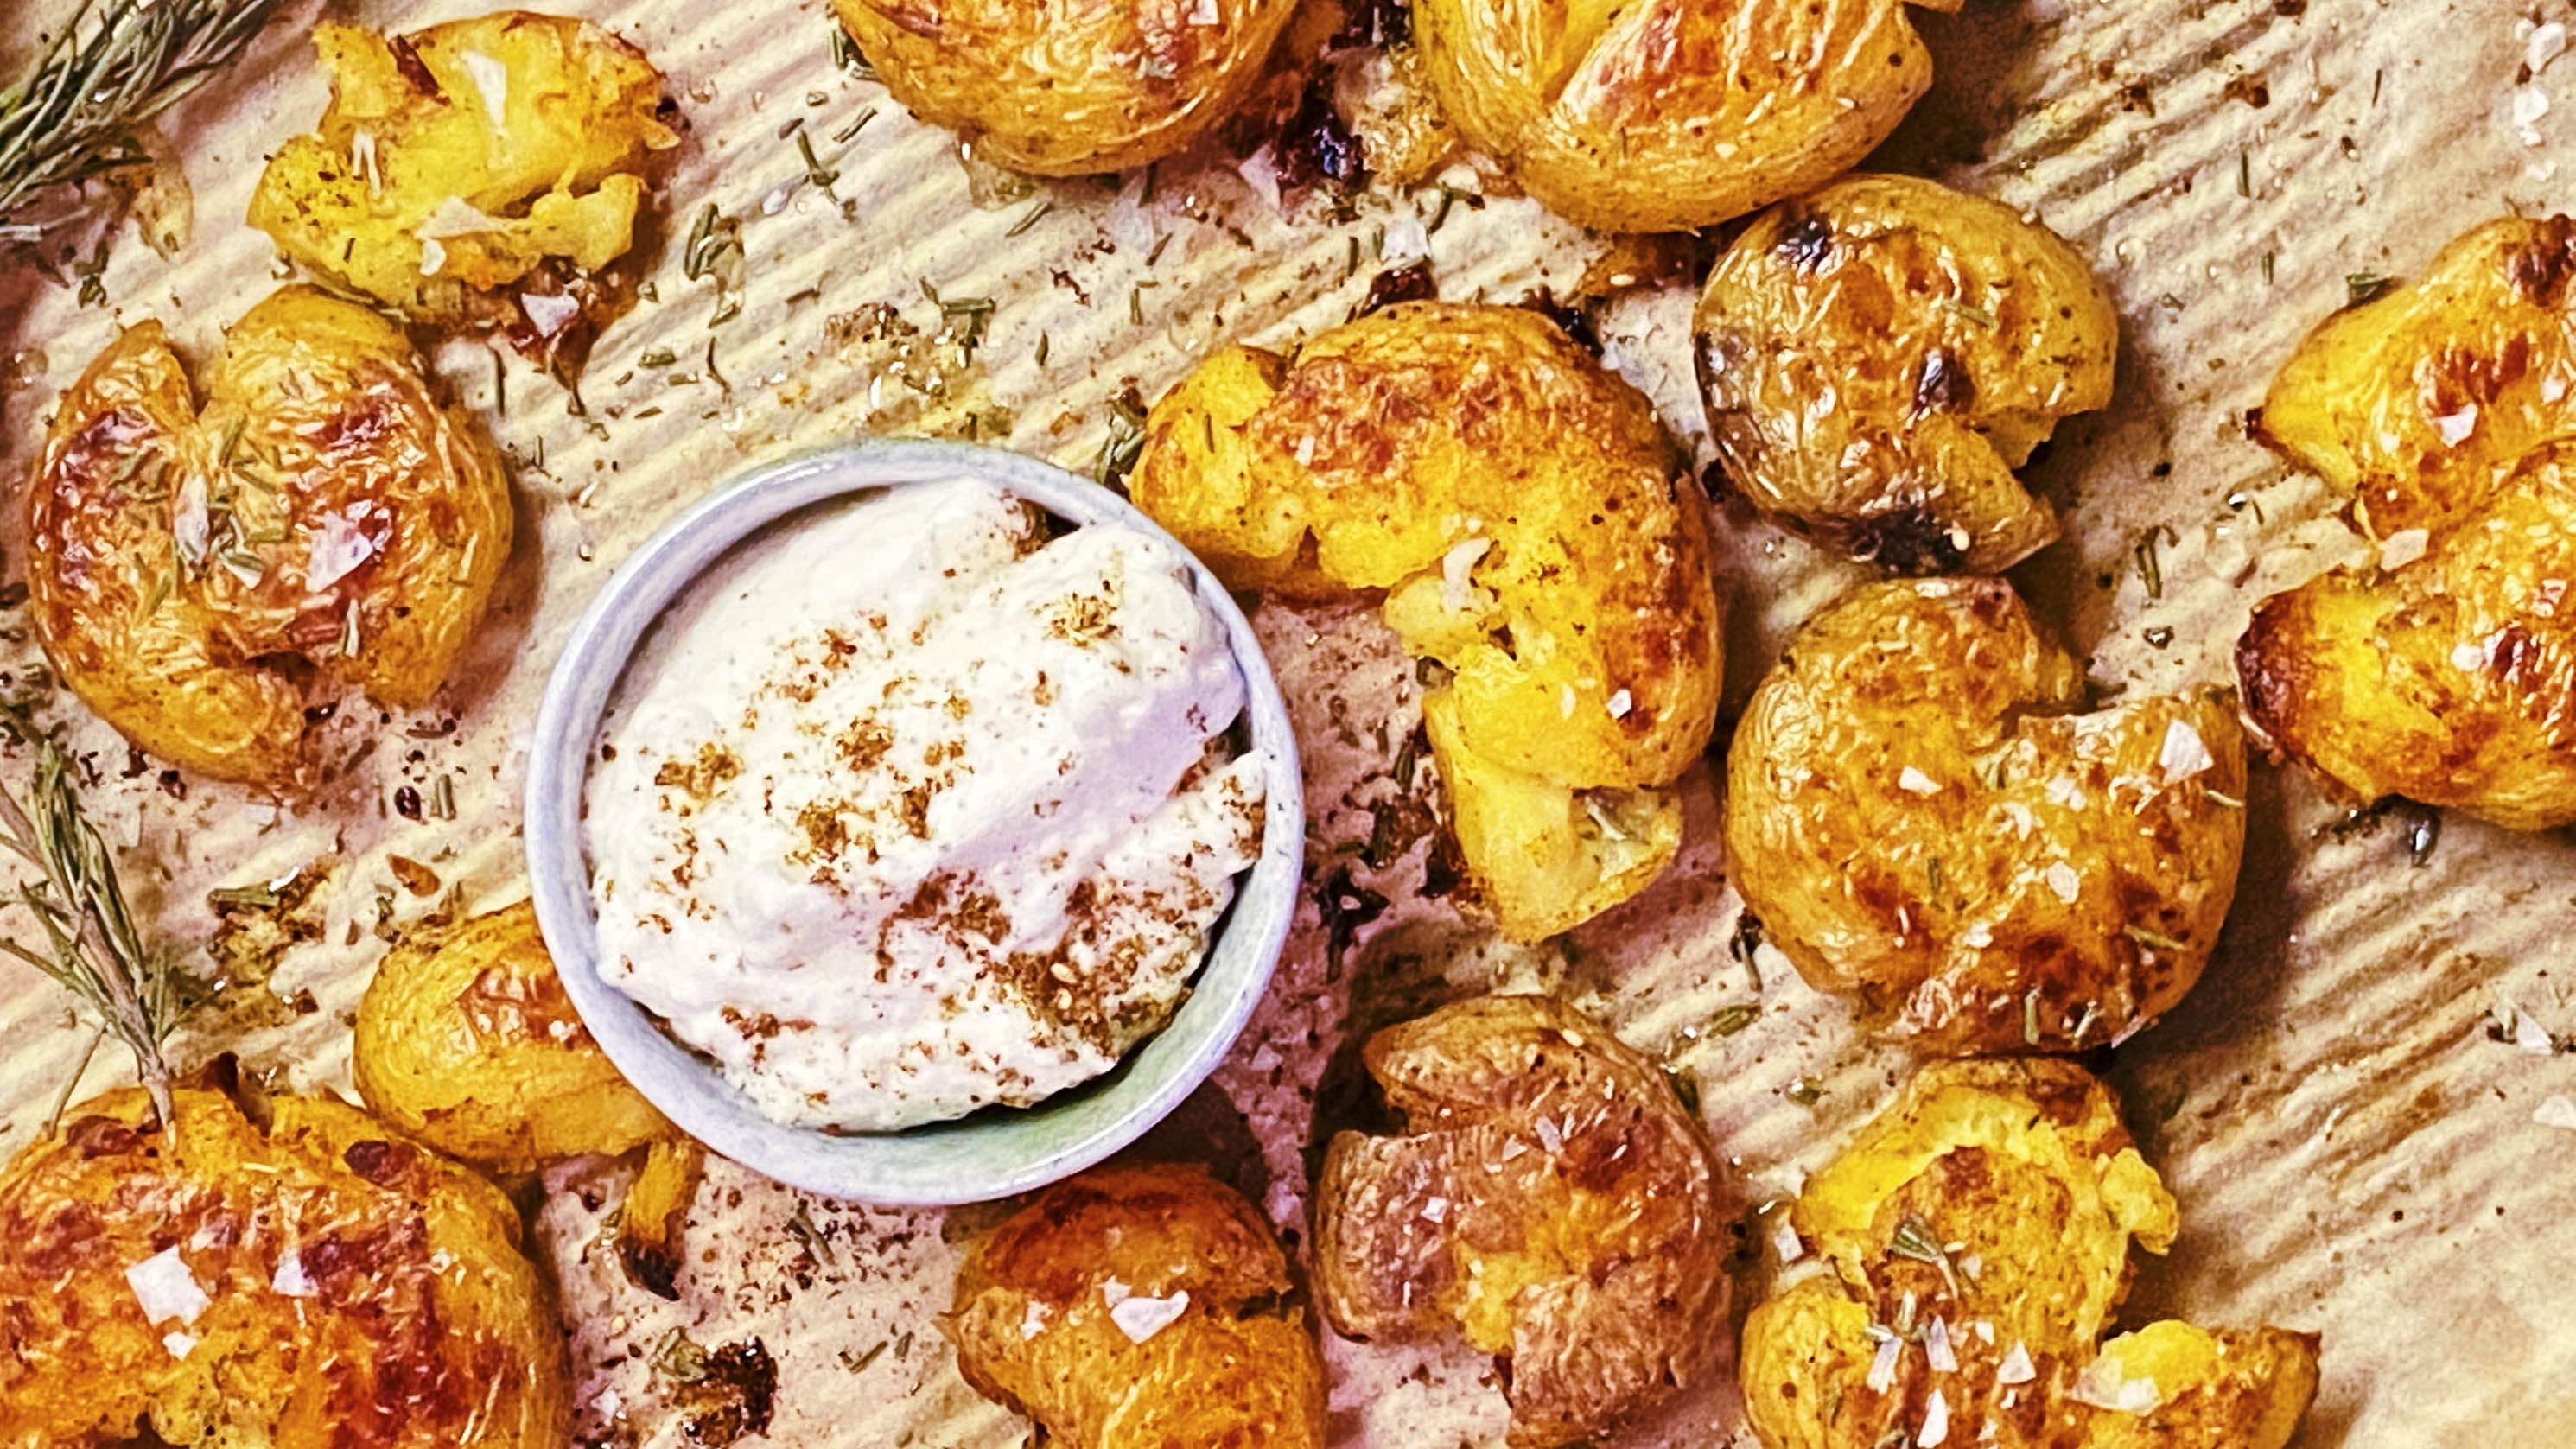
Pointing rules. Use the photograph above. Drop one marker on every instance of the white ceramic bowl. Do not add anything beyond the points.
(996, 1152)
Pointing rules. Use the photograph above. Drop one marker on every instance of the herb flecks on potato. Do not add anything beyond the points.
(1972, 1249)
(1924, 822)
(1140, 1306)
(1550, 1200)
(303, 1278)
(321, 523)
(1878, 357)
(2442, 670)
(1069, 90)
(1667, 115)
(1535, 534)
(466, 1041)
(482, 174)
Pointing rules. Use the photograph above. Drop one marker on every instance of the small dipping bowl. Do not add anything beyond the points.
(998, 1151)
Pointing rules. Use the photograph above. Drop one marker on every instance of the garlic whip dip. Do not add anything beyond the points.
(908, 808)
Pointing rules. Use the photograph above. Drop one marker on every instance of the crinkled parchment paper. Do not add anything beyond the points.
(2341, 1107)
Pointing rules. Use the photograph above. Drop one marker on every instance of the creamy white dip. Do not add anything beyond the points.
(907, 809)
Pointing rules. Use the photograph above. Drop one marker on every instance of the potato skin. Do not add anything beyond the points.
(2004, 1194)
(467, 1042)
(418, 1323)
(2446, 678)
(1879, 356)
(1667, 115)
(1069, 87)
(411, 131)
(320, 440)
(1911, 799)
(1234, 1371)
(1534, 531)
(1551, 1200)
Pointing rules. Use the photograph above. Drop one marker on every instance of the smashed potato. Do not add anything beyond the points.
(275, 1271)
(201, 574)
(1140, 1308)
(467, 1042)
(1668, 115)
(2442, 673)
(1878, 357)
(481, 174)
(1069, 90)
(1923, 822)
(1551, 1201)
(1974, 1246)
(1535, 534)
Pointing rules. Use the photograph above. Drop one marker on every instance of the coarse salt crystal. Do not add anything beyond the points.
(1457, 586)
(607, 1403)
(2468, 657)
(290, 1277)
(1205, 13)
(1113, 1292)
(1033, 1320)
(1882, 1368)
(1937, 1350)
(2456, 427)
(455, 216)
(432, 256)
(1917, 782)
(1978, 936)
(192, 526)
(2064, 882)
(338, 548)
(2097, 1386)
(552, 312)
(1548, 1135)
(2530, 103)
(1436, 1210)
(179, 1344)
(2531, 1036)
(1620, 704)
(1790, 1246)
(1565, 701)
(166, 1289)
(2185, 753)
(1936, 1421)
(1407, 241)
(1985, 1331)
(493, 79)
(2017, 1367)
(2547, 43)
(2557, 1112)
(1142, 1318)
(2403, 547)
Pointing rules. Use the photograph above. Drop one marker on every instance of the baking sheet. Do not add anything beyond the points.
(2353, 1145)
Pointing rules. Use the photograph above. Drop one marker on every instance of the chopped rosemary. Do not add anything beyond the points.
(1046, 342)
(658, 357)
(2360, 287)
(2030, 1017)
(442, 798)
(844, 134)
(2145, 936)
(1915, 1241)
(1969, 310)
(2151, 569)
(1734, 1019)
(1031, 216)
(817, 174)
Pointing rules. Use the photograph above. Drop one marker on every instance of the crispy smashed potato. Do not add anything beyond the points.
(1069, 90)
(2443, 672)
(301, 1279)
(1140, 1308)
(1534, 532)
(1973, 1246)
(1878, 358)
(201, 574)
(1923, 822)
(1551, 1201)
(1667, 115)
(481, 174)
(466, 1041)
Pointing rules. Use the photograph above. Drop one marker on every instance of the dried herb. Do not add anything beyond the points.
(2360, 287)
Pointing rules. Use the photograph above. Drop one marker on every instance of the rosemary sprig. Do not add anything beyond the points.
(92, 944)
(107, 71)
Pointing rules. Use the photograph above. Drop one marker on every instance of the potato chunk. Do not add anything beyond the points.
(2442, 671)
(481, 174)
(1140, 1308)
(322, 523)
(1972, 1248)
(1550, 1200)
(1070, 90)
(1878, 357)
(1667, 115)
(276, 1271)
(1924, 823)
(1535, 533)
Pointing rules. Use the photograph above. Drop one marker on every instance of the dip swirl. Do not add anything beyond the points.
(909, 808)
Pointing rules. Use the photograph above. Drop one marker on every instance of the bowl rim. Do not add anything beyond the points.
(993, 1154)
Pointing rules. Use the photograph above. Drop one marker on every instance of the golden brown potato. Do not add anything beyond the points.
(483, 173)
(1551, 1201)
(1069, 87)
(322, 523)
(1972, 1247)
(1666, 115)
(2442, 674)
(1879, 356)
(1140, 1308)
(309, 1280)
(1923, 822)
(467, 1042)
(1534, 532)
